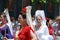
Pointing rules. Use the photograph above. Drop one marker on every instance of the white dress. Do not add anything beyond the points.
(43, 34)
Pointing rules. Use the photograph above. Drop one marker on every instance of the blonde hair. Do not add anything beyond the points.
(58, 18)
(39, 16)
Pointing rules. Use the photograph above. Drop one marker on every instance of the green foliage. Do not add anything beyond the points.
(32, 1)
(56, 1)
(45, 1)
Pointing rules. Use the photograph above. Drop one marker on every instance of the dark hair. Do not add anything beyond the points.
(48, 21)
(24, 16)
(3, 15)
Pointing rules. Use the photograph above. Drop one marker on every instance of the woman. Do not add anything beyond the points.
(58, 22)
(26, 32)
(50, 28)
(40, 26)
(4, 28)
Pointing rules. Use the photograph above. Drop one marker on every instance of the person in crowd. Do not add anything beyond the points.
(13, 23)
(58, 22)
(54, 25)
(1, 36)
(50, 28)
(33, 19)
(4, 28)
(18, 23)
(26, 32)
(41, 29)
(58, 28)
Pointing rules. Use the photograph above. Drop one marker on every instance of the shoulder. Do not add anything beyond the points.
(30, 29)
(6, 26)
(27, 28)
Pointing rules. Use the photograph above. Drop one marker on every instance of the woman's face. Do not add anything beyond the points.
(39, 19)
(2, 16)
(20, 19)
(50, 22)
(3, 19)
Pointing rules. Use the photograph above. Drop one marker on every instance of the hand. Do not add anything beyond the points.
(5, 38)
(16, 37)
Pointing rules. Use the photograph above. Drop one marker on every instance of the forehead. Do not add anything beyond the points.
(39, 17)
(20, 16)
(50, 20)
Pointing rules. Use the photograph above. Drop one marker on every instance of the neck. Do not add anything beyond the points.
(39, 24)
(49, 25)
(0, 25)
(24, 24)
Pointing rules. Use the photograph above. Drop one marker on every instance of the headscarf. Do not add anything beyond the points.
(9, 21)
(27, 10)
(42, 14)
(28, 16)
(44, 26)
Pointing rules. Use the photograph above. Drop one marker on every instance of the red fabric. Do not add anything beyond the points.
(24, 10)
(24, 34)
(50, 30)
(47, 18)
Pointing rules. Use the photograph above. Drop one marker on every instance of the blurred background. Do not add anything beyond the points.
(51, 7)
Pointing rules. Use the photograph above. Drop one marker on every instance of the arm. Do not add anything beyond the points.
(34, 37)
(8, 33)
(8, 30)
